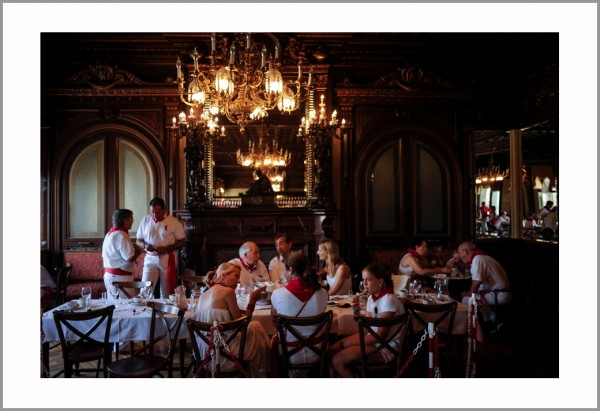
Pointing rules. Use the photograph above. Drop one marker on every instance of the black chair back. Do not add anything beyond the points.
(126, 286)
(229, 330)
(390, 336)
(84, 347)
(317, 341)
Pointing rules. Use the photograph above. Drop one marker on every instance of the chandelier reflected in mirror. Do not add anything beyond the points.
(264, 155)
(242, 82)
(490, 173)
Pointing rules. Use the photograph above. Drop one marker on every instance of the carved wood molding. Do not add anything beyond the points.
(104, 77)
(353, 96)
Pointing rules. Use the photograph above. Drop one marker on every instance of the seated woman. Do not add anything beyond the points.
(301, 297)
(337, 273)
(219, 303)
(411, 265)
(382, 303)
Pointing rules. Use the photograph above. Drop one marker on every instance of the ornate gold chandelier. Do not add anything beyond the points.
(490, 173)
(242, 82)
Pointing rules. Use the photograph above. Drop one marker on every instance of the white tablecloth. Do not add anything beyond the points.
(125, 325)
(343, 320)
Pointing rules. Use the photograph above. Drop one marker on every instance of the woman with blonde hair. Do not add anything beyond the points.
(219, 303)
(337, 271)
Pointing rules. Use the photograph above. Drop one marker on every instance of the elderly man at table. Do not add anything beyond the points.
(301, 297)
(277, 268)
(161, 235)
(487, 274)
(253, 270)
(118, 253)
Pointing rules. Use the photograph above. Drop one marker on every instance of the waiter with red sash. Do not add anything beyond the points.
(118, 253)
(161, 235)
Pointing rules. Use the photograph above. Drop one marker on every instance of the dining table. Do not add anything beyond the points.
(343, 322)
(130, 322)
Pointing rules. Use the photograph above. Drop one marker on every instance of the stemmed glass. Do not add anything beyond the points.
(361, 287)
(147, 292)
(86, 293)
(114, 292)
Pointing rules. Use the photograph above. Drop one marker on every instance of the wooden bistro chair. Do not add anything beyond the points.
(200, 332)
(132, 288)
(371, 365)
(317, 341)
(191, 281)
(436, 314)
(500, 311)
(60, 292)
(84, 348)
(145, 362)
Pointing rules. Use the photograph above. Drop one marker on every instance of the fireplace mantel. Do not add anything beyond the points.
(214, 236)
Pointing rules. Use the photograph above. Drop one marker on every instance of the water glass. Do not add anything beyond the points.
(86, 293)
(103, 297)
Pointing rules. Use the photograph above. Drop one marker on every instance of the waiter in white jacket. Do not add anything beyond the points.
(161, 235)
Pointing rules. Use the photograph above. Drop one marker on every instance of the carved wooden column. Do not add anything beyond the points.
(516, 195)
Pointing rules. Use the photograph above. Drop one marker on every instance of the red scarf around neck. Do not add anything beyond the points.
(383, 292)
(300, 291)
(158, 221)
(248, 268)
(113, 229)
(475, 254)
(414, 252)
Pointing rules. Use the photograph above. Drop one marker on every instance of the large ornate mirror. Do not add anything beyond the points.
(230, 178)
(539, 177)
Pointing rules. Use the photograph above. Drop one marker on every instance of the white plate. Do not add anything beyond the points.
(263, 302)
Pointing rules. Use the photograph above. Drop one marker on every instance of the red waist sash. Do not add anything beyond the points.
(117, 271)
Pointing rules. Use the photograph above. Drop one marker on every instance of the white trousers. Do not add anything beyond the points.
(155, 267)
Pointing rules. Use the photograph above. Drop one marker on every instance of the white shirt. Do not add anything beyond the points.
(277, 270)
(116, 250)
(247, 279)
(491, 274)
(160, 233)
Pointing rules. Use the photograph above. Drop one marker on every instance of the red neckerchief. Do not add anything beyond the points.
(300, 291)
(383, 292)
(248, 268)
(157, 221)
(113, 229)
(414, 252)
(475, 254)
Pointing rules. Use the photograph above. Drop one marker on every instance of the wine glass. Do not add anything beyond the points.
(361, 287)
(86, 293)
(192, 298)
(114, 292)
(147, 292)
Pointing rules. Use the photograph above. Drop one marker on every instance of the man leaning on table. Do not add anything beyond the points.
(487, 274)
(118, 253)
(161, 235)
(277, 269)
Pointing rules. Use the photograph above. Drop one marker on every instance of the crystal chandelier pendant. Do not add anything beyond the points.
(243, 80)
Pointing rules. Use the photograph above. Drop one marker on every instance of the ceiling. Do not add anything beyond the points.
(497, 67)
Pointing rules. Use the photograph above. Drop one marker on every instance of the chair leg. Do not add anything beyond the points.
(98, 368)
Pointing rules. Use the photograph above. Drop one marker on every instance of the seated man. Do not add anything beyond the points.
(503, 223)
(252, 269)
(487, 274)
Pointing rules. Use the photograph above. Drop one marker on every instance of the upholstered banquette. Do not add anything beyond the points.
(89, 270)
